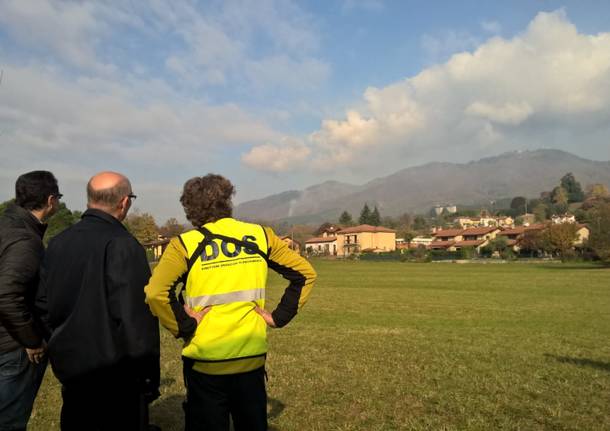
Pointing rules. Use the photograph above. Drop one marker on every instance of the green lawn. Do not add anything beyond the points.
(397, 346)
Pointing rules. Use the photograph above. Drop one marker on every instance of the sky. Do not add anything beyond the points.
(282, 95)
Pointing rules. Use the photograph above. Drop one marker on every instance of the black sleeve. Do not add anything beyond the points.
(41, 306)
(18, 273)
(127, 272)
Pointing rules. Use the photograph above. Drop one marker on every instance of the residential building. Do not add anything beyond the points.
(484, 221)
(292, 244)
(365, 238)
(456, 239)
(563, 218)
(326, 245)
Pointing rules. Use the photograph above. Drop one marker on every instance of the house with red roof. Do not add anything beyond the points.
(456, 239)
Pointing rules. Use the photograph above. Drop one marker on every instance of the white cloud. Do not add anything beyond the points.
(528, 91)
(509, 113)
(220, 46)
(272, 158)
(44, 112)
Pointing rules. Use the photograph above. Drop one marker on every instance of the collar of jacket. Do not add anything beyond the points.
(16, 212)
(92, 212)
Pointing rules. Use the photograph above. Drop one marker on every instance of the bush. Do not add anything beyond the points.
(390, 255)
(419, 254)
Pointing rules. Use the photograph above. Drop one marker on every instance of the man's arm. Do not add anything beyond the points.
(294, 268)
(127, 272)
(18, 270)
(161, 294)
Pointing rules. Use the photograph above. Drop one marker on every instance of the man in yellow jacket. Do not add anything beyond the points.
(222, 266)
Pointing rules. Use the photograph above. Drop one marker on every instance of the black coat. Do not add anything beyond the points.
(92, 292)
(21, 250)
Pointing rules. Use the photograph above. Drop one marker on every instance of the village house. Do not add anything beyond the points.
(326, 243)
(563, 218)
(365, 238)
(582, 235)
(322, 245)
(484, 221)
(155, 249)
(292, 244)
(456, 239)
(418, 241)
(514, 235)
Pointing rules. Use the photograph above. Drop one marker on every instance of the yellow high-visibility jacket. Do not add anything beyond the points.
(224, 265)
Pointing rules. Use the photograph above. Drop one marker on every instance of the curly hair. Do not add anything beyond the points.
(207, 199)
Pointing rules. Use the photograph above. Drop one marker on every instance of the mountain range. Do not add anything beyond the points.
(418, 189)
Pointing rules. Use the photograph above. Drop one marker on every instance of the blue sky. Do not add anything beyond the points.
(280, 95)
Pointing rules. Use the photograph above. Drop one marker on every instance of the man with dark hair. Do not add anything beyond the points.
(22, 349)
(223, 264)
(104, 344)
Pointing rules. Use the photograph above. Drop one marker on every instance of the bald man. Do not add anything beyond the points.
(104, 343)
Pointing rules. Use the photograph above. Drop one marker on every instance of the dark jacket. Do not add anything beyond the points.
(92, 293)
(21, 250)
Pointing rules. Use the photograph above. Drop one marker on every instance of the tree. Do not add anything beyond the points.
(60, 221)
(559, 196)
(532, 241)
(420, 223)
(142, 226)
(518, 204)
(323, 227)
(404, 222)
(599, 239)
(389, 222)
(375, 219)
(346, 219)
(171, 228)
(597, 191)
(572, 188)
(4, 205)
(540, 212)
(408, 237)
(560, 238)
(365, 215)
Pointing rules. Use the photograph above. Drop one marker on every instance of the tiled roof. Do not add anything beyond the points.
(478, 230)
(471, 243)
(441, 244)
(365, 228)
(448, 232)
(321, 239)
(514, 231)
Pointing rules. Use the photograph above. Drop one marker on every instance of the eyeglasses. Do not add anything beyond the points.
(57, 196)
(131, 196)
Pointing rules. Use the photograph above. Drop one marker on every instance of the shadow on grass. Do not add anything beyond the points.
(581, 362)
(168, 414)
(274, 409)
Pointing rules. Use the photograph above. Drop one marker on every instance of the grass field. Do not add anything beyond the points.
(396, 346)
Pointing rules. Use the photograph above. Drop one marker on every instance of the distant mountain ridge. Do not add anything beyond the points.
(417, 189)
